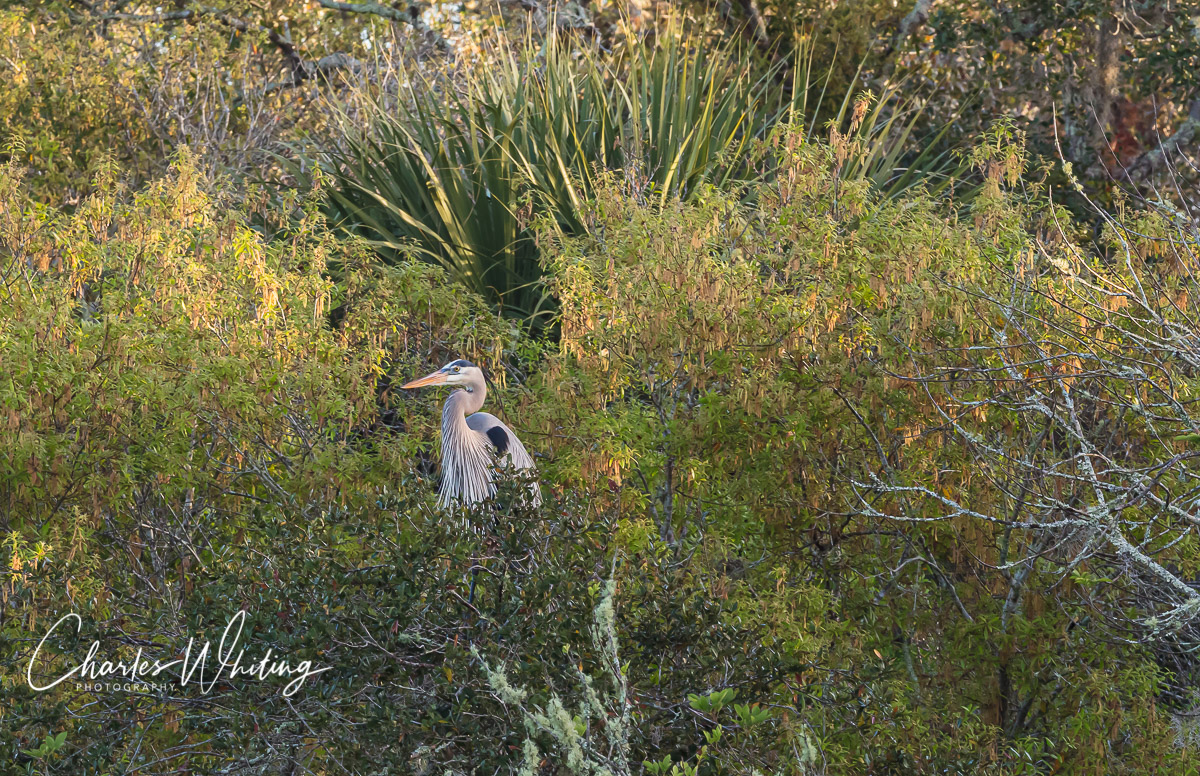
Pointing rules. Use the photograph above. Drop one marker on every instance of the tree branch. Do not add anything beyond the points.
(410, 15)
(300, 69)
(1157, 158)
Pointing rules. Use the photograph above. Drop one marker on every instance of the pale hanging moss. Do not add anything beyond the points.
(577, 742)
(529, 765)
(498, 681)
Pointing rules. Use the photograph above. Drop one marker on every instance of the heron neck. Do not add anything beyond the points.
(461, 404)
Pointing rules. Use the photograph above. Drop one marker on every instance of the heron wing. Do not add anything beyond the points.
(506, 445)
(501, 438)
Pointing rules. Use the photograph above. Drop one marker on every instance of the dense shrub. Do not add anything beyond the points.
(759, 390)
(738, 428)
(199, 422)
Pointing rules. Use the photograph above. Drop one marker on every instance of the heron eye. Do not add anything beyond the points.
(456, 369)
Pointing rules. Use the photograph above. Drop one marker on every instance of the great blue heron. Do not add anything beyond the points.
(473, 442)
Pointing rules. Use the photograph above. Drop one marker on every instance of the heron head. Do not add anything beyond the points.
(460, 372)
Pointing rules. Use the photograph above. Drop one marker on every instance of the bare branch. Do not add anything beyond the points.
(1160, 157)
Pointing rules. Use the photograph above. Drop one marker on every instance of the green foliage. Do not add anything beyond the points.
(79, 90)
(888, 138)
(196, 424)
(714, 701)
(737, 373)
(48, 747)
(167, 321)
(771, 387)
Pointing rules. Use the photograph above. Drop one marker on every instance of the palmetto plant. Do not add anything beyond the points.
(456, 174)
(458, 171)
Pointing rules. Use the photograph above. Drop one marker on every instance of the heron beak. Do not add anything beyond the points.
(436, 378)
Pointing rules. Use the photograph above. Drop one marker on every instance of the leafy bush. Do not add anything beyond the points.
(198, 422)
(760, 386)
(134, 86)
(174, 399)
(751, 407)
